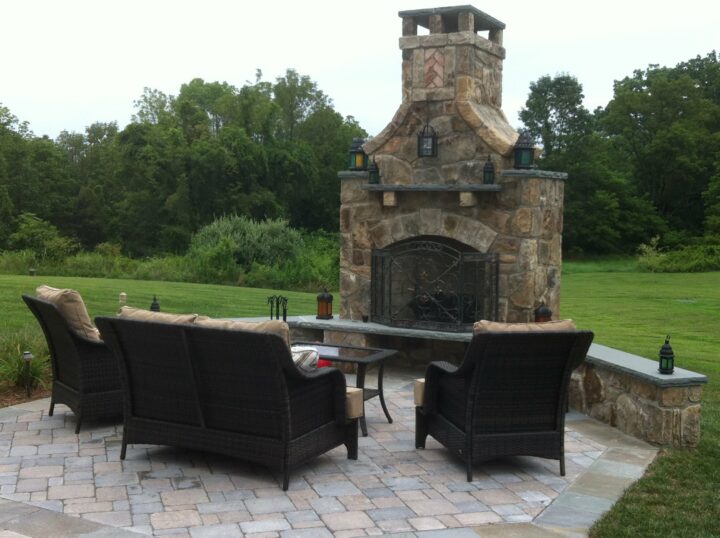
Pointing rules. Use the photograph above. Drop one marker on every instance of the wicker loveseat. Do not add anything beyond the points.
(507, 398)
(233, 392)
(85, 373)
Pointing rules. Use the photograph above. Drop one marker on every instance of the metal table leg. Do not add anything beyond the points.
(380, 391)
(360, 383)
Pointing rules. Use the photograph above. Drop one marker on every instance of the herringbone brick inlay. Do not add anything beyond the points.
(434, 68)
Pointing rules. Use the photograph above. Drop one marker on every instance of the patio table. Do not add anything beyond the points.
(363, 357)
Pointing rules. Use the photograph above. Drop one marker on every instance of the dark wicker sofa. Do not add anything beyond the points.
(228, 391)
(508, 396)
(85, 373)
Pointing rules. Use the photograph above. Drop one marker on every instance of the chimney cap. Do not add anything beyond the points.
(483, 21)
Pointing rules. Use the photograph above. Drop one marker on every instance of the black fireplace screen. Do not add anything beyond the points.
(429, 283)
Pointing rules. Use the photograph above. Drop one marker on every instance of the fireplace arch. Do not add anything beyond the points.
(432, 282)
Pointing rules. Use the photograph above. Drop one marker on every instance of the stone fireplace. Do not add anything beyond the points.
(429, 217)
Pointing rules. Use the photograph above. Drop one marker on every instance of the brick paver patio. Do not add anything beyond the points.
(53, 482)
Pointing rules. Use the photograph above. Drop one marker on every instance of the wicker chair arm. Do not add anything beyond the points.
(99, 365)
(435, 371)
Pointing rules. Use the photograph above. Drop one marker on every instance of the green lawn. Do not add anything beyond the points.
(626, 309)
(633, 312)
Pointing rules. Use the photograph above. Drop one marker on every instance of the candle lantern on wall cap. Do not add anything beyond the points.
(373, 172)
(488, 172)
(358, 157)
(524, 151)
(667, 358)
(324, 305)
(427, 142)
(155, 306)
(543, 313)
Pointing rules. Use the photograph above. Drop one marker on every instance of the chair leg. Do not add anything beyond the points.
(562, 466)
(351, 439)
(77, 426)
(286, 478)
(420, 428)
(123, 450)
(52, 407)
(468, 466)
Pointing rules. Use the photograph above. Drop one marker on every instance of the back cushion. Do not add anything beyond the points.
(71, 306)
(484, 326)
(273, 326)
(148, 315)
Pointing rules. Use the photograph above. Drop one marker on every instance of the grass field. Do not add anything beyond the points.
(628, 310)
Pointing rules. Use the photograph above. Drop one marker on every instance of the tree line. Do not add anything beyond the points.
(268, 150)
(645, 166)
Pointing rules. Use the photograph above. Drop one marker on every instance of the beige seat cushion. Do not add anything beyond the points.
(71, 306)
(273, 326)
(148, 315)
(353, 402)
(419, 391)
(484, 326)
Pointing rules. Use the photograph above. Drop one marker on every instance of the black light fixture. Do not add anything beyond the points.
(27, 358)
(667, 358)
(488, 172)
(358, 158)
(524, 151)
(427, 142)
(373, 172)
(543, 314)
(155, 306)
(324, 305)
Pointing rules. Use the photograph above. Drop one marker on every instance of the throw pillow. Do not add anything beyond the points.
(305, 357)
(71, 306)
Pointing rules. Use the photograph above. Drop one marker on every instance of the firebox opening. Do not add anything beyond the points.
(431, 282)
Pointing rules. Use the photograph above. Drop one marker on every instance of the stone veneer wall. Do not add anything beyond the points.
(522, 223)
(637, 405)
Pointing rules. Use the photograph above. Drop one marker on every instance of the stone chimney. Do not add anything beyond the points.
(451, 79)
(452, 84)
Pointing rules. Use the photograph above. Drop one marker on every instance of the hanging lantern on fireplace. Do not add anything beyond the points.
(524, 151)
(667, 358)
(358, 158)
(427, 143)
(373, 172)
(324, 305)
(488, 172)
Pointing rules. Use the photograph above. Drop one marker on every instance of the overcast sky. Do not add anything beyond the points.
(65, 64)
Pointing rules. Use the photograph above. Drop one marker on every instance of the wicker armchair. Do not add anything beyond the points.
(233, 392)
(507, 397)
(85, 373)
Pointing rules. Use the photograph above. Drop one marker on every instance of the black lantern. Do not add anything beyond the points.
(155, 306)
(27, 358)
(427, 142)
(667, 357)
(358, 158)
(373, 173)
(324, 305)
(488, 172)
(524, 151)
(543, 314)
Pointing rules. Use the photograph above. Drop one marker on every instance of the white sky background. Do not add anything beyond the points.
(65, 64)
